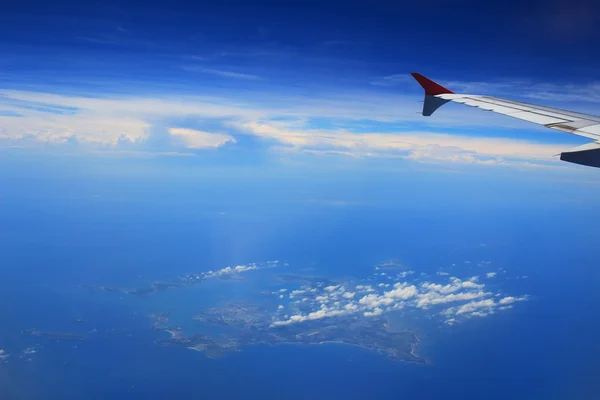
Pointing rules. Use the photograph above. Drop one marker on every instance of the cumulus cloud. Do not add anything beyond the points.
(323, 312)
(479, 308)
(365, 288)
(491, 275)
(475, 305)
(376, 311)
(373, 300)
(401, 291)
(238, 269)
(511, 300)
(468, 298)
(428, 299)
(454, 285)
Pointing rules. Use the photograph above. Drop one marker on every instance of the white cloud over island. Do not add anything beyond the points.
(238, 269)
(453, 301)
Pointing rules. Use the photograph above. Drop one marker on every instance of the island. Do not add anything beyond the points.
(54, 335)
(158, 286)
(187, 280)
(246, 325)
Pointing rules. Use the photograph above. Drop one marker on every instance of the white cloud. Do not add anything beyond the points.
(469, 296)
(243, 268)
(491, 275)
(401, 291)
(376, 311)
(60, 129)
(238, 269)
(195, 139)
(432, 298)
(475, 305)
(471, 285)
(112, 121)
(221, 72)
(480, 308)
(365, 288)
(323, 312)
(455, 285)
(373, 300)
(511, 300)
(481, 313)
(412, 145)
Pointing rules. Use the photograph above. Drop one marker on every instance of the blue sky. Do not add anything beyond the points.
(301, 83)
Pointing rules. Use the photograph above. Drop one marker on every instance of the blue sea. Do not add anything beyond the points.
(56, 237)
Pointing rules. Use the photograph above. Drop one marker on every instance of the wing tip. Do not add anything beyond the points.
(431, 88)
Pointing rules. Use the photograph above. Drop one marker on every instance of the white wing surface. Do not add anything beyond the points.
(567, 121)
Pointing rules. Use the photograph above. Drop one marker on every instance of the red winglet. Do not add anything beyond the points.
(431, 88)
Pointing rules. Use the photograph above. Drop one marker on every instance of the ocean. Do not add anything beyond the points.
(544, 348)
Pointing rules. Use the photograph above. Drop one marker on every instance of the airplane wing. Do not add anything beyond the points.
(567, 121)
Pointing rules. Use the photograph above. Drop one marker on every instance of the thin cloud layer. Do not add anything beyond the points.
(222, 73)
(292, 124)
(412, 145)
(195, 139)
